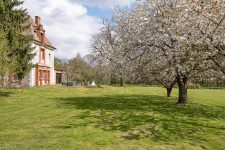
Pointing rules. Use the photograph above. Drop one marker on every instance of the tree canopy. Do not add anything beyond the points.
(16, 50)
(167, 40)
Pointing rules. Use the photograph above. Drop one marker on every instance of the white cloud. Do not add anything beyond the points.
(67, 25)
(107, 3)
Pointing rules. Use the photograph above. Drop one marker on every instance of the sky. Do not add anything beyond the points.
(69, 24)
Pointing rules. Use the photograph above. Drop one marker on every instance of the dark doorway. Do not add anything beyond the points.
(58, 78)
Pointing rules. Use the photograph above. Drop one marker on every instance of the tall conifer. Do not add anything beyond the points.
(14, 21)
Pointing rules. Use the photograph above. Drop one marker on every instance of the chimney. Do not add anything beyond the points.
(38, 20)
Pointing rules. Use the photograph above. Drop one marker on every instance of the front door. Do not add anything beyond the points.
(58, 78)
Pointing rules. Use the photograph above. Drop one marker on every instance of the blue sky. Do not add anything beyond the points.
(100, 13)
(69, 24)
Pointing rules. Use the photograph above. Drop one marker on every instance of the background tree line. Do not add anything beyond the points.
(86, 69)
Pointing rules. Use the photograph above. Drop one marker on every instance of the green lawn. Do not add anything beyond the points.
(133, 117)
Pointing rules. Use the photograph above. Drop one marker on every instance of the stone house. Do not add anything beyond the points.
(43, 72)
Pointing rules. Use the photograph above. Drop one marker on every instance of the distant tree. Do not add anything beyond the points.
(58, 64)
(81, 69)
(107, 47)
(76, 68)
(89, 71)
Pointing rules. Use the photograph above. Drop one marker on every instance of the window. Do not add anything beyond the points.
(50, 57)
(42, 54)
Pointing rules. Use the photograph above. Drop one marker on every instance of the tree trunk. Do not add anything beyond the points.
(2, 81)
(169, 90)
(10, 80)
(111, 80)
(121, 81)
(182, 85)
(20, 83)
(169, 87)
(98, 83)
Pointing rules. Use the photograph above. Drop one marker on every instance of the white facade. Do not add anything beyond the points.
(44, 52)
(37, 61)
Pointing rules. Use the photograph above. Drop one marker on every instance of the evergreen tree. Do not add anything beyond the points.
(14, 20)
(3, 59)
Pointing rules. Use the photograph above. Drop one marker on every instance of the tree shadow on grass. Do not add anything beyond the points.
(9, 92)
(4, 94)
(152, 116)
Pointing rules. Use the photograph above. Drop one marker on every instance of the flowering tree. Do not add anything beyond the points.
(170, 40)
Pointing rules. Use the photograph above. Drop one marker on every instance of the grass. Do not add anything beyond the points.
(109, 118)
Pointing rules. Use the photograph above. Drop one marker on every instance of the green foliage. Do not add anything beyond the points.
(3, 53)
(14, 20)
(58, 64)
(132, 117)
(79, 70)
(23, 64)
